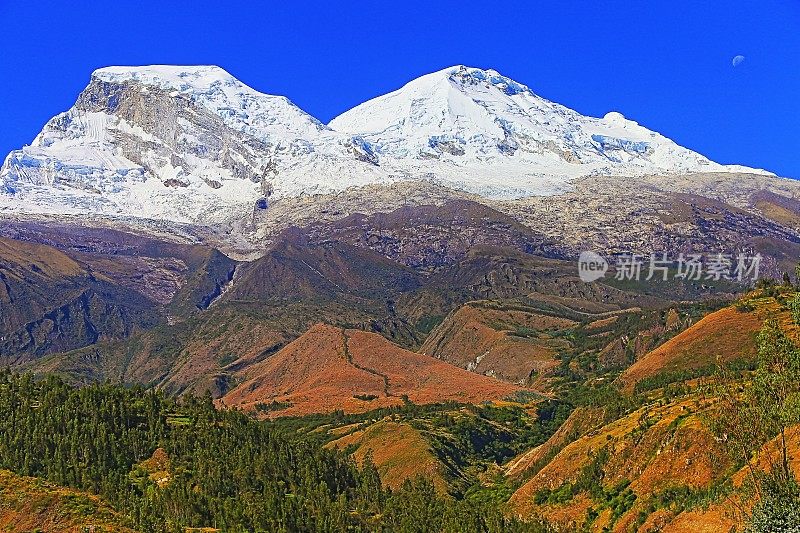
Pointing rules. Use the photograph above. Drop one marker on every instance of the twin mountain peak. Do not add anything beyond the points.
(194, 145)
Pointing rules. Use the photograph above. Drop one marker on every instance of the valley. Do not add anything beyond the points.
(485, 367)
(218, 313)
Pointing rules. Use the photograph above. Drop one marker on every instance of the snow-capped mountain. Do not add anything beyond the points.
(186, 144)
(486, 133)
(195, 145)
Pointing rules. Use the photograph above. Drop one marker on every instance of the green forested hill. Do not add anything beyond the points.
(226, 471)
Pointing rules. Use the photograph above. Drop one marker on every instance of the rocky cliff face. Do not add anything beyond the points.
(168, 122)
(51, 303)
(127, 134)
(185, 145)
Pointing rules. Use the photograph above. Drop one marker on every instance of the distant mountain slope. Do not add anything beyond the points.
(294, 269)
(330, 368)
(398, 274)
(429, 237)
(66, 288)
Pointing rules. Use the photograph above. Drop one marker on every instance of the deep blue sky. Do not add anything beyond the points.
(666, 64)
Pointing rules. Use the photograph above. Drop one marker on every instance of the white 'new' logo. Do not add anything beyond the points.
(591, 266)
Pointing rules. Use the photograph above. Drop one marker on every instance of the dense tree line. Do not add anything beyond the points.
(226, 470)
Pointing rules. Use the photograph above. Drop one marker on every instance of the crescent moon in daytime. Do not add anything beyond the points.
(738, 60)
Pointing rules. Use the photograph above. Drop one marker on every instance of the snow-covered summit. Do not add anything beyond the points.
(193, 144)
(470, 122)
(185, 77)
(242, 107)
(185, 144)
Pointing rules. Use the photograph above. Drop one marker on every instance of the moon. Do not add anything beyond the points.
(738, 60)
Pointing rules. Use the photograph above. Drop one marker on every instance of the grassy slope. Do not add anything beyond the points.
(653, 449)
(24, 259)
(28, 504)
(723, 336)
(398, 451)
(679, 474)
(458, 446)
(328, 368)
(580, 421)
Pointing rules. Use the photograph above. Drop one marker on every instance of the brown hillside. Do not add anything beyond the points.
(510, 344)
(655, 449)
(398, 451)
(22, 259)
(212, 351)
(30, 504)
(722, 336)
(328, 367)
(781, 209)
(429, 237)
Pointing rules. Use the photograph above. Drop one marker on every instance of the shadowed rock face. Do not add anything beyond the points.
(51, 303)
(430, 237)
(87, 286)
(84, 320)
(174, 127)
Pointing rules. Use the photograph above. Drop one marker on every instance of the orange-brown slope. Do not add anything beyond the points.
(581, 421)
(719, 337)
(510, 344)
(328, 368)
(654, 449)
(30, 504)
(397, 450)
(657, 449)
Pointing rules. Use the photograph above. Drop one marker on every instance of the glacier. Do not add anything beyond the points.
(502, 139)
(194, 145)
